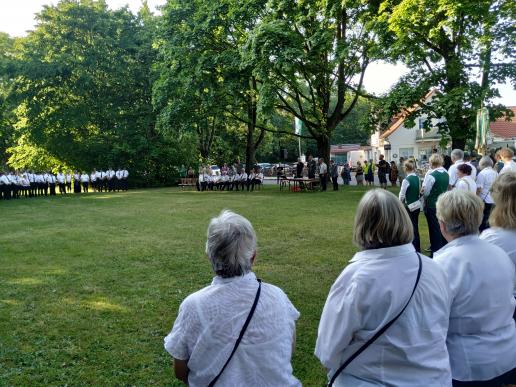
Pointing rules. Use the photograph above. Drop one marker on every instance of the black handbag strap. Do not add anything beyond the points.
(244, 328)
(380, 332)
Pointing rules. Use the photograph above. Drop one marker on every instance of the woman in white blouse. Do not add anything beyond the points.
(503, 218)
(485, 180)
(464, 180)
(482, 333)
(371, 291)
(210, 320)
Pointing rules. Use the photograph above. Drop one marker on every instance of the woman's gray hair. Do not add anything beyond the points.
(231, 244)
(485, 162)
(381, 221)
(460, 211)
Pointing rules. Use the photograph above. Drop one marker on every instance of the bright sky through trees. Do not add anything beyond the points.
(17, 16)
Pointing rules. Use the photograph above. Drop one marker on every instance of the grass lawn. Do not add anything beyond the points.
(90, 285)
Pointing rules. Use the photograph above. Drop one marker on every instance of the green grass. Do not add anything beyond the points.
(90, 285)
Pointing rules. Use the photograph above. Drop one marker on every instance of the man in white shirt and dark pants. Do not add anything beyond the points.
(323, 174)
(485, 180)
(457, 157)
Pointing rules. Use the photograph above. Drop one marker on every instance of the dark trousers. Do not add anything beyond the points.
(499, 381)
(324, 180)
(414, 218)
(62, 188)
(485, 218)
(334, 180)
(436, 239)
(84, 187)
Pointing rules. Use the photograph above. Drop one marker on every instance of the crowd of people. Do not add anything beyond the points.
(14, 185)
(394, 316)
(229, 178)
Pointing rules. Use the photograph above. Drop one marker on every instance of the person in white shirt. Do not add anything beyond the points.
(257, 179)
(485, 180)
(250, 178)
(76, 182)
(32, 182)
(93, 181)
(125, 181)
(61, 181)
(41, 183)
(323, 173)
(457, 157)
(243, 179)
(118, 179)
(503, 217)
(371, 291)
(51, 180)
(101, 181)
(506, 155)
(85, 179)
(68, 181)
(5, 189)
(110, 179)
(210, 320)
(481, 337)
(464, 180)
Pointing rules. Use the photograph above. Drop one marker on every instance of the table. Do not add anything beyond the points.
(296, 184)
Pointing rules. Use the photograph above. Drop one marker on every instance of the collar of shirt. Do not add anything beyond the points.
(463, 240)
(386, 252)
(218, 280)
(458, 162)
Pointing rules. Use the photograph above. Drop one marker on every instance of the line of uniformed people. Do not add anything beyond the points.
(229, 180)
(14, 185)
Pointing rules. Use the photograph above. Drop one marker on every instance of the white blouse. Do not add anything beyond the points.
(208, 325)
(482, 333)
(466, 183)
(372, 290)
(505, 239)
(485, 180)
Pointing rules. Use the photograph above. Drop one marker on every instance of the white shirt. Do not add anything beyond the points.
(323, 168)
(51, 179)
(119, 174)
(93, 177)
(370, 292)
(466, 183)
(60, 178)
(85, 178)
(452, 171)
(485, 180)
(68, 178)
(259, 176)
(125, 173)
(503, 238)
(473, 170)
(429, 181)
(4, 180)
(404, 186)
(482, 334)
(510, 166)
(110, 174)
(208, 325)
(40, 178)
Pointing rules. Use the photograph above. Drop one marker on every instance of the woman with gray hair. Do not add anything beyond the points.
(482, 334)
(485, 180)
(237, 331)
(386, 317)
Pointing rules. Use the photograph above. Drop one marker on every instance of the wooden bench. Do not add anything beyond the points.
(187, 182)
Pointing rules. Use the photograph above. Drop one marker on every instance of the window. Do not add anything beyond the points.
(406, 152)
(421, 123)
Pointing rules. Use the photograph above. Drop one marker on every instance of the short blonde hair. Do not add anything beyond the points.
(460, 211)
(436, 160)
(506, 153)
(409, 166)
(503, 192)
(381, 221)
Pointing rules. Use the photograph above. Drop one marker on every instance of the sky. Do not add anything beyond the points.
(17, 17)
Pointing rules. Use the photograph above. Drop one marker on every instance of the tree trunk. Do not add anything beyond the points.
(250, 149)
(323, 148)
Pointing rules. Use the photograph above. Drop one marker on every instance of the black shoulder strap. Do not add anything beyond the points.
(380, 332)
(244, 328)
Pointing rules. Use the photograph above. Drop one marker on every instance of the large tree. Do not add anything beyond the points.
(310, 58)
(205, 84)
(461, 48)
(84, 89)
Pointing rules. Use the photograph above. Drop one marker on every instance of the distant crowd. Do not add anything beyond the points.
(14, 185)
(228, 178)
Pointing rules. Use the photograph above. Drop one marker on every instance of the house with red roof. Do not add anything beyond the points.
(400, 140)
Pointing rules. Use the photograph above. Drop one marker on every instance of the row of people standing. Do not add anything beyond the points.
(461, 175)
(14, 185)
(228, 179)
